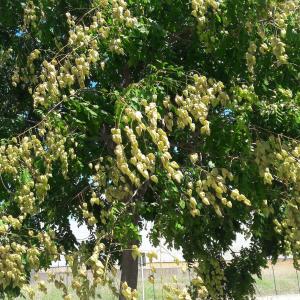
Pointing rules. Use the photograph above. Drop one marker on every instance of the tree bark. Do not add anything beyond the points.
(129, 266)
(129, 269)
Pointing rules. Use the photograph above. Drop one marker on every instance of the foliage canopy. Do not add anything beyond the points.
(183, 113)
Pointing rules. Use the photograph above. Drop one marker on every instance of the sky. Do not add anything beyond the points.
(164, 254)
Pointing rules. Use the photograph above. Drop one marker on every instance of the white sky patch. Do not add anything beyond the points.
(164, 254)
(168, 255)
(81, 232)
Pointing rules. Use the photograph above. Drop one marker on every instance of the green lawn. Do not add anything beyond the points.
(285, 284)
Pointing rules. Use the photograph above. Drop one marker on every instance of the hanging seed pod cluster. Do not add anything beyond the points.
(182, 113)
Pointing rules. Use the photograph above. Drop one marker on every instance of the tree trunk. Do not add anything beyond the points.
(129, 269)
(129, 266)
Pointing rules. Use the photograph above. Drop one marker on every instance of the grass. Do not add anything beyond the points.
(286, 284)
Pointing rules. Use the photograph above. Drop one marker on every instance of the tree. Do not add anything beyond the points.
(184, 113)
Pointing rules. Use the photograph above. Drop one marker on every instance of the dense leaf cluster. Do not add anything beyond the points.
(182, 113)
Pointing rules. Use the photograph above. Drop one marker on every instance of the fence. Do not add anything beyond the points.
(279, 279)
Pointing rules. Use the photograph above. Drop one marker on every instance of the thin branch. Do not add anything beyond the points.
(36, 125)
(7, 189)
(258, 128)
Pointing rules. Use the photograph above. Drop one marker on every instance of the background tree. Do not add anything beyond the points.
(183, 113)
